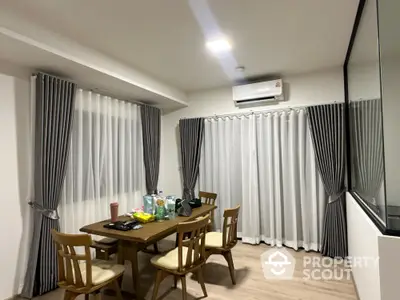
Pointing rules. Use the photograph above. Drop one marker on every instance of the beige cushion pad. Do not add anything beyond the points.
(214, 240)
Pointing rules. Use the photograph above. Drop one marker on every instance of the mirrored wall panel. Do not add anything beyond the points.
(389, 41)
(365, 116)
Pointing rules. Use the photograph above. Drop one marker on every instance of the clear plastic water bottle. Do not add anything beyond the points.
(170, 200)
(148, 204)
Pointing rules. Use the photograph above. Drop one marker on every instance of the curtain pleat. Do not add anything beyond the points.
(326, 124)
(53, 122)
(191, 135)
(265, 163)
(367, 149)
(106, 161)
(151, 124)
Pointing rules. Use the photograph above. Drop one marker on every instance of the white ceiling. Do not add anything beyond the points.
(164, 39)
(35, 59)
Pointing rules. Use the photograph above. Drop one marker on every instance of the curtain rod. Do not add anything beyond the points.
(95, 90)
(259, 112)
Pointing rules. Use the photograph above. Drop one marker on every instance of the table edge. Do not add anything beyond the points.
(141, 241)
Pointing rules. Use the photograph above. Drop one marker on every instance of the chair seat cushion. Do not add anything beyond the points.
(170, 259)
(102, 271)
(214, 240)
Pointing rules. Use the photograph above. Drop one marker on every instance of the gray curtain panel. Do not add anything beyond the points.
(53, 122)
(151, 129)
(191, 134)
(367, 148)
(328, 135)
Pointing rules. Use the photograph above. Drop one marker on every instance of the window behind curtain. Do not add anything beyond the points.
(105, 162)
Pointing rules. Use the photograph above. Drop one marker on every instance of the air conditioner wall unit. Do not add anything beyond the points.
(258, 93)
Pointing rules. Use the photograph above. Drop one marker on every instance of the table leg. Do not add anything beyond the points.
(121, 253)
(120, 258)
(133, 258)
(129, 251)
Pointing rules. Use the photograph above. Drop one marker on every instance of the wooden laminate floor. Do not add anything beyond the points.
(251, 284)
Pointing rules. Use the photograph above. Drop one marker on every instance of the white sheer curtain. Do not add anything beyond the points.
(105, 162)
(265, 163)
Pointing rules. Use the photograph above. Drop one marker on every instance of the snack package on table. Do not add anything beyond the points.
(143, 217)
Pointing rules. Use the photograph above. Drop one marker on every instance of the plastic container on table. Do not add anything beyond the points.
(171, 214)
(148, 204)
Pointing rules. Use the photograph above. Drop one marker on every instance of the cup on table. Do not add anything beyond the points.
(114, 211)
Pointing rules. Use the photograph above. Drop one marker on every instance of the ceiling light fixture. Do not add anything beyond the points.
(219, 46)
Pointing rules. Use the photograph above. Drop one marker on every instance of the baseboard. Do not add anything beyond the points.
(17, 296)
(355, 286)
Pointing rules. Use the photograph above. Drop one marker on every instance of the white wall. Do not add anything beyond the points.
(373, 282)
(306, 89)
(14, 107)
(363, 242)
(389, 249)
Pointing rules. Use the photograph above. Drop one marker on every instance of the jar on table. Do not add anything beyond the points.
(171, 207)
(161, 210)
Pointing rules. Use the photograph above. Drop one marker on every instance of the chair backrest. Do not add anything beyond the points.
(229, 233)
(69, 272)
(208, 198)
(193, 236)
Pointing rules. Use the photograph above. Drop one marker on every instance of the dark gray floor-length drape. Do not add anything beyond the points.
(191, 134)
(328, 135)
(151, 129)
(53, 121)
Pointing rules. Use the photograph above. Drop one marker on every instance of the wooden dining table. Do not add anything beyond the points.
(132, 241)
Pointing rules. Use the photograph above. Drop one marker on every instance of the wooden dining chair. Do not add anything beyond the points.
(223, 242)
(78, 273)
(206, 198)
(188, 257)
(209, 198)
